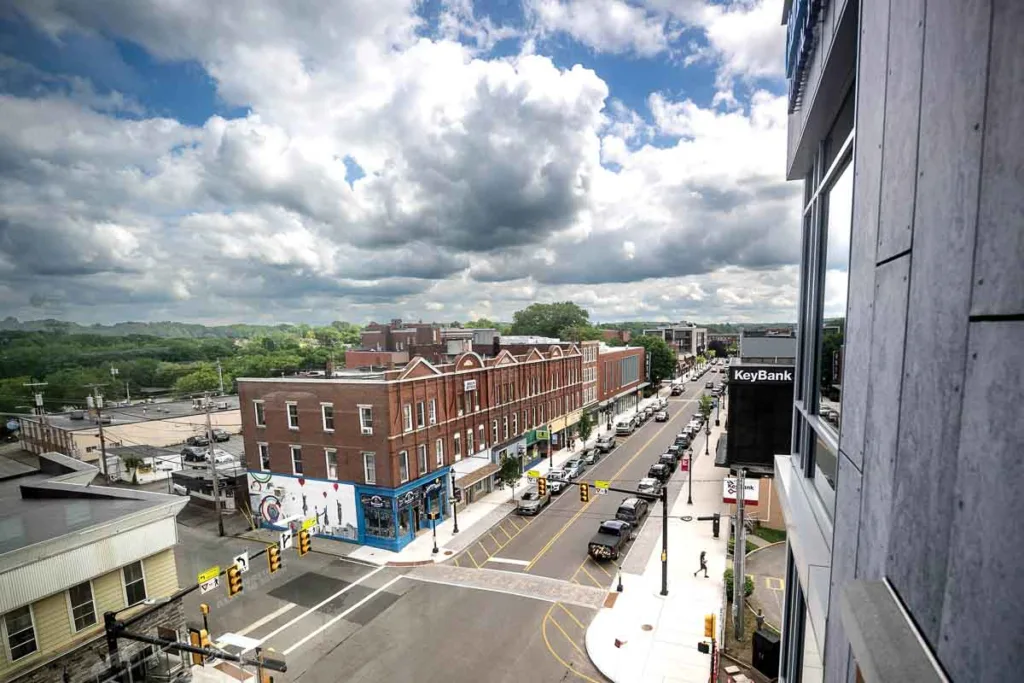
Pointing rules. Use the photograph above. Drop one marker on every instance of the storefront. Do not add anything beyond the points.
(537, 446)
(621, 403)
(474, 478)
(392, 518)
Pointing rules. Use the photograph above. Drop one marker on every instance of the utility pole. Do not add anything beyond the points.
(95, 402)
(739, 578)
(664, 540)
(213, 468)
(220, 377)
(38, 395)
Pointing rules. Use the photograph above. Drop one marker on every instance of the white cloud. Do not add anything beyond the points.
(612, 26)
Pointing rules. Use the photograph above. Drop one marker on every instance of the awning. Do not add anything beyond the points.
(573, 418)
(480, 474)
(557, 425)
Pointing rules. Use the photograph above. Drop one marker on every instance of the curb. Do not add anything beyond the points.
(747, 603)
(763, 547)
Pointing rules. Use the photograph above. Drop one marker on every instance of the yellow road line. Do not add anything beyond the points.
(571, 615)
(583, 509)
(496, 542)
(507, 534)
(510, 521)
(470, 553)
(487, 553)
(567, 636)
(606, 573)
(598, 583)
(544, 634)
(457, 562)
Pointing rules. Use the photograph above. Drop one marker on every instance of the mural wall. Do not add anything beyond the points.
(279, 499)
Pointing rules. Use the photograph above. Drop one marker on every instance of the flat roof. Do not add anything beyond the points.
(138, 412)
(38, 507)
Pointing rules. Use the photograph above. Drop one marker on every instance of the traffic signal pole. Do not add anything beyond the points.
(664, 524)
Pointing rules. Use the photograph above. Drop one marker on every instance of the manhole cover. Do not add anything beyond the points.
(447, 552)
(686, 518)
(646, 627)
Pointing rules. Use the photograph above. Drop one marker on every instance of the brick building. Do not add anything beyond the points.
(369, 454)
(392, 345)
(617, 336)
(621, 375)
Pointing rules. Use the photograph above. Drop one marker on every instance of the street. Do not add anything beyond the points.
(513, 606)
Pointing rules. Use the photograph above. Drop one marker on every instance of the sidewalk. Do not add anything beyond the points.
(474, 522)
(644, 637)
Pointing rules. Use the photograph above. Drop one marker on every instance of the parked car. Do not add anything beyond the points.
(557, 481)
(675, 449)
(198, 440)
(661, 416)
(660, 471)
(573, 468)
(193, 454)
(531, 502)
(677, 390)
(605, 444)
(663, 403)
(670, 459)
(709, 385)
(650, 486)
(682, 440)
(624, 427)
(590, 456)
(610, 540)
(220, 435)
(632, 510)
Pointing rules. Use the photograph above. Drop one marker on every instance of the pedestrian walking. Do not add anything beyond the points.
(703, 564)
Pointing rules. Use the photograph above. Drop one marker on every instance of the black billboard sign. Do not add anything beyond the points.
(761, 375)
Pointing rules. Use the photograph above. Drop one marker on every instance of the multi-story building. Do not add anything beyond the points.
(72, 551)
(621, 336)
(687, 339)
(392, 345)
(621, 377)
(590, 351)
(905, 130)
(369, 454)
(760, 347)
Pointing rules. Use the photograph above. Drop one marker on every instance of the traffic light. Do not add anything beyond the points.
(273, 558)
(198, 637)
(542, 486)
(709, 625)
(584, 492)
(234, 581)
(303, 542)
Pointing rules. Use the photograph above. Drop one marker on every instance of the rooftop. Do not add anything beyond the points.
(42, 506)
(139, 412)
(527, 339)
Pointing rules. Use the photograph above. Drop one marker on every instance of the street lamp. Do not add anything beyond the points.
(434, 527)
(689, 476)
(455, 507)
(718, 411)
(707, 439)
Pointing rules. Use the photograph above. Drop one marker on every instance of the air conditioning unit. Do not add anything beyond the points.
(367, 430)
(460, 412)
(476, 409)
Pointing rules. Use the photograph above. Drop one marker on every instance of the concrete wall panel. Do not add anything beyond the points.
(999, 258)
(867, 163)
(986, 543)
(844, 563)
(955, 59)
(902, 117)
(887, 343)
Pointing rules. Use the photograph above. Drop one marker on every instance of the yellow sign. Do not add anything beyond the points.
(542, 434)
(533, 474)
(308, 523)
(602, 484)
(211, 573)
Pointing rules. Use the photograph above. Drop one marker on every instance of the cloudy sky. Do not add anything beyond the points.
(268, 161)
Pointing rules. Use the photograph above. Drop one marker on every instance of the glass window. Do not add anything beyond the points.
(407, 417)
(457, 447)
(421, 458)
(134, 583)
(327, 412)
(293, 415)
(366, 419)
(494, 431)
(439, 452)
(421, 414)
(261, 417)
(264, 456)
(379, 522)
(370, 468)
(296, 459)
(469, 442)
(825, 465)
(838, 213)
(403, 466)
(83, 611)
(433, 411)
(504, 427)
(21, 632)
(331, 456)
(515, 424)
(483, 436)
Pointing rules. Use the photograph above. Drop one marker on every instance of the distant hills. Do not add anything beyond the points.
(160, 329)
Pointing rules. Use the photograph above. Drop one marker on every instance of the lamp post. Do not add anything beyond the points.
(455, 507)
(433, 525)
(689, 476)
(707, 439)
(718, 411)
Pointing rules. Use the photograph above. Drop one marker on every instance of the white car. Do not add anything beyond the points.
(661, 416)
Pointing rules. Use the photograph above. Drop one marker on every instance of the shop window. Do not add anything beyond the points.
(379, 522)
(21, 632)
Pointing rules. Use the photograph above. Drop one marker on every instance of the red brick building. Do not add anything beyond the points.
(369, 454)
(621, 375)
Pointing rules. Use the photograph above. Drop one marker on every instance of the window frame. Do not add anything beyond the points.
(261, 447)
(439, 452)
(327, 462)
(365, 425)
(457, 446)
(406, 417)
(7, 634)
(324, 407)
(494, 430)
(403, 466)
(423, 458)
(259, 409)
(124, 583)
(482, 443)
(370, 467)
(71, 607)
(292, 448)
(421, 415)
(432, 411)
(288, 405)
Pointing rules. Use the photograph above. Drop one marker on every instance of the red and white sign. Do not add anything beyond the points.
(752, 488)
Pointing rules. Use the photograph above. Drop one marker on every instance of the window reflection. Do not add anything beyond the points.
(839, 218)
(825, 466)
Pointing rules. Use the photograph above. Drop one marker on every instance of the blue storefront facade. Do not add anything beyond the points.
(392, 518)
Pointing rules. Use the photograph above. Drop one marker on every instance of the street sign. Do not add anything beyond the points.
(210, 573)
(533, 474)
(242, 562)
(457, 495)
(308, 523)
(285, 541)
(209, 585)
(602, 487)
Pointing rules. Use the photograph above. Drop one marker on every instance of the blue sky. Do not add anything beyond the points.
(396, 159)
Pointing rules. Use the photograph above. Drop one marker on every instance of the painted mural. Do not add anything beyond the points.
(279, 500)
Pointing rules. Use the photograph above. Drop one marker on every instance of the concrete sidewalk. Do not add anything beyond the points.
(646, 637)
(474, 521)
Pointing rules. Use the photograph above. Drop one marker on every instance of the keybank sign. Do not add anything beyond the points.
(761, 375)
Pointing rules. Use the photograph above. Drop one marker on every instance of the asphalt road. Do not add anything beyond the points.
(513, 607)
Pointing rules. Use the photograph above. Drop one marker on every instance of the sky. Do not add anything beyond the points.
(264, 161)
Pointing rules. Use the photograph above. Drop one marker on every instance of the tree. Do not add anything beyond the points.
(510, 473)
(710, 354)
(586, 426)
(203, 379)
(663, 358)
(578, 334)
(705, 405)
(548, 320)
(700, 360)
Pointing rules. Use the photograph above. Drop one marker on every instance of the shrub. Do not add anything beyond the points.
(748, 584)
(749, 546)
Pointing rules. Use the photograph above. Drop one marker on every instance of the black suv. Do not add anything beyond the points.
(683, 441)
(197, 441)
(670, 459)
(193, 454)
(632, 510)
(660, 471)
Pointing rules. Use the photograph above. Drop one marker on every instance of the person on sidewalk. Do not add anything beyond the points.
(703, 564)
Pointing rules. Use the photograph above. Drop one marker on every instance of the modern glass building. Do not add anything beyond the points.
(907, 129)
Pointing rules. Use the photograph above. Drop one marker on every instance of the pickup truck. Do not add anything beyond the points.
(611, 538)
